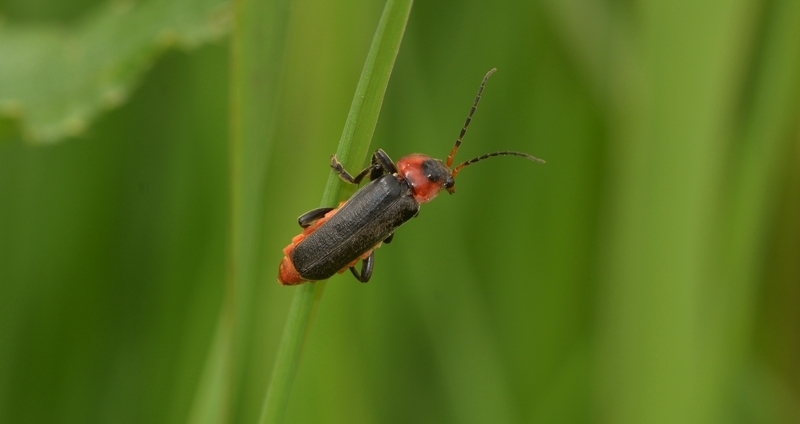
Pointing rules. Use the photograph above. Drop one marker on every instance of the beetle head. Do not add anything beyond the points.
(427, 176)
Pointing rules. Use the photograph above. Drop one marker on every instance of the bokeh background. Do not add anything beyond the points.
(648, 273)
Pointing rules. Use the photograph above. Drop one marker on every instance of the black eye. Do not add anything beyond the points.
(431, 170)
(449, 183)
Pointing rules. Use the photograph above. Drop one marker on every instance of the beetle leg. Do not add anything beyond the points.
(381, 165)
(344, 175)
(309, 217)
(388, 240)
(384, 165)
(366, 268)
(355, 273)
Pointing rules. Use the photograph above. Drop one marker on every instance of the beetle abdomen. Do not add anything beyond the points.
(371, 215)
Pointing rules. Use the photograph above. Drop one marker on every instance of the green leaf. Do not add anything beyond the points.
(56, 80)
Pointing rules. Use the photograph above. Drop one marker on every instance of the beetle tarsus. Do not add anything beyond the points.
(345, 176)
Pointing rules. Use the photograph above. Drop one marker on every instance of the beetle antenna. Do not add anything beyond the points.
(469, 118)
(488, 155)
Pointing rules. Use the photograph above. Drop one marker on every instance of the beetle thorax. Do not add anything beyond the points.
(426, 176)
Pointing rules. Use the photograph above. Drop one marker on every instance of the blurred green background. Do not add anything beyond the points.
(648, 273)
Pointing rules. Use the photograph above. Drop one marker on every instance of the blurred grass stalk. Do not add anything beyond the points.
(257, 51)
(693, 186)
(352, 150)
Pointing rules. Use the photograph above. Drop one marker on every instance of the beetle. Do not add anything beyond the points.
(335, 239)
